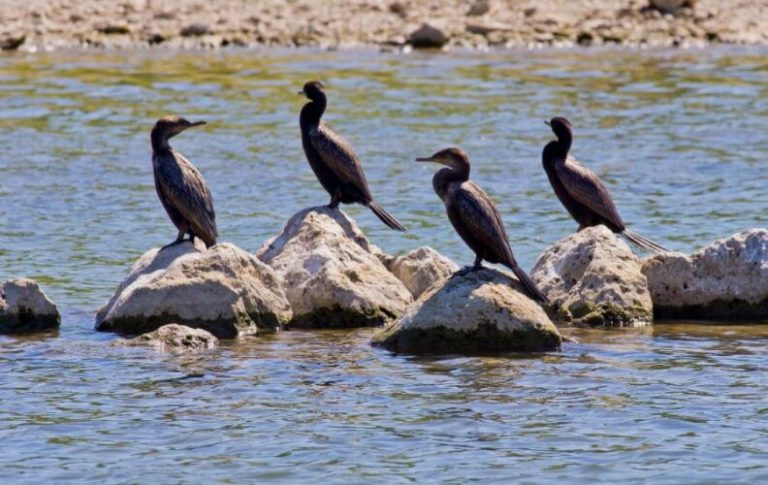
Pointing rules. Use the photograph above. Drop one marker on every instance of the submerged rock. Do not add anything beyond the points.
(481, 311)
(727, 280)
(420, 269)
(223, 290)
(592, 279)
(331, 274)
(173, 338)
(24, 307)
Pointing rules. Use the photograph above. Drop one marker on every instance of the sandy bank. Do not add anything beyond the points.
(31, 25)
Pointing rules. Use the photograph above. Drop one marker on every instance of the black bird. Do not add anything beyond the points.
(581, 192)
(180, 186)
(474, 216)
(332, 159)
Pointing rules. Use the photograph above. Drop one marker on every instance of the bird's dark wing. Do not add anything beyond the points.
(479, 215)
(586, 188)
(186, 191)
(338, 155)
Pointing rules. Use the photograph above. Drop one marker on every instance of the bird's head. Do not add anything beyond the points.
(454, 158)
(561, 127)
(313, 90)
(171, 125)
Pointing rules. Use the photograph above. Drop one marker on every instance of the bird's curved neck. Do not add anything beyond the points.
(313, 111)
(563, 144)
(446, 176)
(160, 142)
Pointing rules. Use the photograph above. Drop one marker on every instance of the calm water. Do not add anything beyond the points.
(679, 136)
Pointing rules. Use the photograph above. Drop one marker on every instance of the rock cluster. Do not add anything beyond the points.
(331, 274)
(727, 280)
(25, 308)
(480, 311)
(593, 279)
(189, 24)
(223, 290)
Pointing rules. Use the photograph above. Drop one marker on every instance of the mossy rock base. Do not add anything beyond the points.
(484, 339)
(27, 322)
(584, 314)
(223, 329)
(717, 310)
(338, 317)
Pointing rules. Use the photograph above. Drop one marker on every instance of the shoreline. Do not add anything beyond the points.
(387, 25)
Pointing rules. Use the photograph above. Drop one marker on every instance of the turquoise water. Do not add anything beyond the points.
(678, 136)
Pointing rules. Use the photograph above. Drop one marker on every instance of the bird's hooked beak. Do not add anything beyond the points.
(425, 159)
(547, 123)
(197, 123)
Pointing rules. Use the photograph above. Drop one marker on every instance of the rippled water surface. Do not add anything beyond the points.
(679, 136)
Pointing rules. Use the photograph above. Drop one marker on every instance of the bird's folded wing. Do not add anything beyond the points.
(481, 217)
(589, 190)
(337, 153)
(190, 196)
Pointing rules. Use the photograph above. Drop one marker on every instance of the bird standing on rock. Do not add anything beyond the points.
(333, 160)
(581, 192)
(180, 186)
(474, 216)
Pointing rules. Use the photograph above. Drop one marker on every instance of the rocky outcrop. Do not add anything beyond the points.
(223, 290)
(331, 274)
(25, 308)
(592, 279)
(727, 280)
(420, 269)
(480, 311)
(173, 338)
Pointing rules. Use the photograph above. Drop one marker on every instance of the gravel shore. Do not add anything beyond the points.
(32, 25)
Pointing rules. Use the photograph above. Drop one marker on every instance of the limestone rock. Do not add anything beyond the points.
(173, 338)
(331, 274)
(420, 269)
(481, 311)
(25, 308)
(593, 279)
(223, 290)
(726, 280)
(428, 37)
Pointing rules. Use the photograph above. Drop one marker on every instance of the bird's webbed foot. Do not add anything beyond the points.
(179, 239)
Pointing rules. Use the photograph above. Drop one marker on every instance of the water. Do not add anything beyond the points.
(678, 136)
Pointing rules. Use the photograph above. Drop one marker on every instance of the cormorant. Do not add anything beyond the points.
(474, 216)
(333, 160)
(180, 186)
(581, 191)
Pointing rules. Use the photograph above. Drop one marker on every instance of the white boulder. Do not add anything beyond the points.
(480, 311)
(593, 279)
(24, 307)
(223, 290)
(331, 274)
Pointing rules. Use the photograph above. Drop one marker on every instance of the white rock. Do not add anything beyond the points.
(592, 279)
(331, 274)
(223, 290)
(173, 338)
(420, 269)
(24, 307)
(726, 280)
(481, 311)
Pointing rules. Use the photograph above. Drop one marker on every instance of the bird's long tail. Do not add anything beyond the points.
(643, 242)
(528, 284)
(385, 217)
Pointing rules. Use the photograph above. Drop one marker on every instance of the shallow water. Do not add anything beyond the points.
(678, 136)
